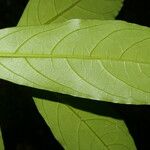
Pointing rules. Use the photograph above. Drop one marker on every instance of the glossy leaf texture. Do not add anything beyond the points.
(47, 11)
(102, 60)
(77, 129)
(1, 142)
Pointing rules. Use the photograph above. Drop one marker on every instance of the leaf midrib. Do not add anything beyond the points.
(61, 13)
(58, 56)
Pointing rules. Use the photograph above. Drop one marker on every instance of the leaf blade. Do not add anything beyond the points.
(77, 129)
(1, 142)
(48, 11)
(89, 56)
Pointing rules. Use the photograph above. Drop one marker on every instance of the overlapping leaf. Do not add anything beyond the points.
(47, 11)
(1, 142)
(77, 129)
(103, 60)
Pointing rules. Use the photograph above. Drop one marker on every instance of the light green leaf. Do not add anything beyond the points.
(47, 11)
(1, 142)
(80, 130)
(102, 60)
(51, 113)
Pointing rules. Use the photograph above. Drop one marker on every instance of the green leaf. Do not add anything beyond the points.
(1, 142)
(47, 11)
(52, 118)
(102, 60)
(80, 130)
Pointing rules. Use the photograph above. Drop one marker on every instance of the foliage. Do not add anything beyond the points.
(84, 58)
(89, 57)
(1, 142)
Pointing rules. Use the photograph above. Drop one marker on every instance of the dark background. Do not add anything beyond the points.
(23, 127)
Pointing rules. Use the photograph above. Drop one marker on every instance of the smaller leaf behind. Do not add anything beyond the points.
(40, 12)
(1, 142)
(80, 130)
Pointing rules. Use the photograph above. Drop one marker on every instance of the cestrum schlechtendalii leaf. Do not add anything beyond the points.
(40, 12)
(102, 60)
(1, 142)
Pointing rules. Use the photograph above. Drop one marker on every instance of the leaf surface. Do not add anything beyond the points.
(1, 142)
(79, 130)
(51, 113)
(102, 60)
(47, 11)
